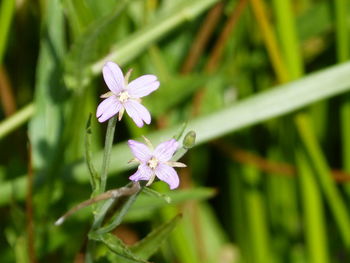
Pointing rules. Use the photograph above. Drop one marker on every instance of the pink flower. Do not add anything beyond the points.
(156, 163)
(125, 96)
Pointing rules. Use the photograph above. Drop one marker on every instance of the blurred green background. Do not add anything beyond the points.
(264, 83)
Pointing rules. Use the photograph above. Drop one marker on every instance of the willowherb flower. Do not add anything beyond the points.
(156, 162)
(124, 96)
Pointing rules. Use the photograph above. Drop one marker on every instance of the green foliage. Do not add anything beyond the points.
(268, 176)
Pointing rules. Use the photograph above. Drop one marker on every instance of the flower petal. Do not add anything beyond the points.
(105, 104)
(167, 174)
(143, 173)
(137, 112)
(108, 111)
(140, 151)
(143, 86)
(113, 77)
(166, 150)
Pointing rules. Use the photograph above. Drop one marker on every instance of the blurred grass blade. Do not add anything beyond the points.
(136, 44)
(273, 103)
(78, 15)
(277, 61)
(146, 205)
(343, 54)
(151, 243)
(45, 128)
(117, 246)
(342, 30)
(89, 45)
(256, 223)
(16, 120)
(288, 37)
(329, 189)
(315, 227)
(7, 10)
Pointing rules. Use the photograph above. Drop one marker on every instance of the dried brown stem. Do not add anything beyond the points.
(6, 94)
(218, 49)
(196, 50)
(224, 36)
(277, 168)
(202, 38)
(115, 193)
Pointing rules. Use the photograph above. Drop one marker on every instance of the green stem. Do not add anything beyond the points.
(107, 153)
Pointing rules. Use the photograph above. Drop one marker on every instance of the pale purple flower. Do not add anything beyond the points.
(156, 162)
(125, 96)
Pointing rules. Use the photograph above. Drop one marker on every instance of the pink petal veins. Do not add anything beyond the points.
(166, 150)
(113, 77)
(143, 86)
(140, 151)
(137, 112)
(110, 111)
(143, 173)
(168, 175)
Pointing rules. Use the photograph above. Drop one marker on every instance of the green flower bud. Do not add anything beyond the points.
(189, 140)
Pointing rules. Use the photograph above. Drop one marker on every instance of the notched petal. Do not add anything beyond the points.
(166, 150)
(143, 86)
(167, 174)
(137, 112)
(143, 173)
(113, 76)
(140, 150)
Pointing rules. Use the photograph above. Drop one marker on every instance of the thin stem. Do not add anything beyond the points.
(107, 152)
(111, 194)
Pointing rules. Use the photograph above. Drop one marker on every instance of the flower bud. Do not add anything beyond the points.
(189, 140)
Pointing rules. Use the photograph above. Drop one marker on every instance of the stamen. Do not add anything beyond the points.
(150, 181)
(123, 96)
(153, 163)
(106, 95)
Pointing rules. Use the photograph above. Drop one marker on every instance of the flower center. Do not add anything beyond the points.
(123, 96)
(153, 163)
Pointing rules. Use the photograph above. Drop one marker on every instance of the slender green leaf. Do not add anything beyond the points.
(118, 217)
(332, 195)
(117, 246)
(146, 205)
(315, 227)
(151, 243)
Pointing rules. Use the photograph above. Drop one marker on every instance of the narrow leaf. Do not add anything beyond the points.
(151, 243)
(117, 246)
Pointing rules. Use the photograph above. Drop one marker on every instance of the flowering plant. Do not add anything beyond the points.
(158, 162)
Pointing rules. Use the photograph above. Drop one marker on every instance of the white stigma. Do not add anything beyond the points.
(123, 96)
(153, 163)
